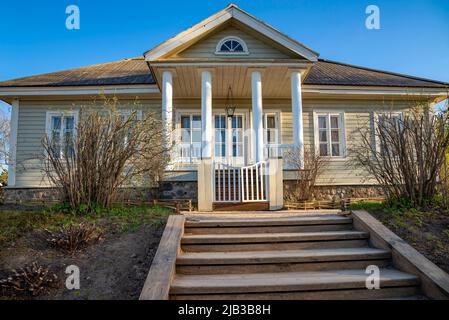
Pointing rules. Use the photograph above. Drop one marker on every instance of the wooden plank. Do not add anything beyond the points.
(284, 256)
(351, 294)
(273, 237)
(157, 284)
(435, 282)
(286, 281)
(257, 222)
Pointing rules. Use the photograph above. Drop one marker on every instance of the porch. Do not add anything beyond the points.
(226, 136)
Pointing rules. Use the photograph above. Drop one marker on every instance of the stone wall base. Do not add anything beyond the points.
(189, 190)
(167, 190)
(336, 192)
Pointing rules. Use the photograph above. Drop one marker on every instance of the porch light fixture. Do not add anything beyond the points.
(230, 106)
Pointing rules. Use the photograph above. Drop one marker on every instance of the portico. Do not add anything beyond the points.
(247, 124)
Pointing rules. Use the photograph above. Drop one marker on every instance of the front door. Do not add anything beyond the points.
(229, 139)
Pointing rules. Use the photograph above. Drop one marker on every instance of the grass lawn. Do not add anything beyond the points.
(427, 230)
(114, 268)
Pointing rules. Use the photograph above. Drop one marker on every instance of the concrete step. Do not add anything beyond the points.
(281, 261)
(308, 283)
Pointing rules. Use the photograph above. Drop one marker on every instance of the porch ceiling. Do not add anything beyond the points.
(187, 80)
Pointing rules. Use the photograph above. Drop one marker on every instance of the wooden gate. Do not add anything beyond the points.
(240, 184)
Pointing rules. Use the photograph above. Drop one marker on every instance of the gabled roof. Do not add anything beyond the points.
(203, 28)
(136, 71)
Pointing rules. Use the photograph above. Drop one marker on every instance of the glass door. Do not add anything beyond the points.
(229, 139)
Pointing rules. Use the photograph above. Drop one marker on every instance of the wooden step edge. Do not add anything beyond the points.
(261, 257)
(268, 238)
(257, 222)
(207, 286)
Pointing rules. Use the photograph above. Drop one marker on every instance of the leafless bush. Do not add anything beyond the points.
(308, 168)
(32, 279)
(109, 150)
(74, 237)
(405, 153)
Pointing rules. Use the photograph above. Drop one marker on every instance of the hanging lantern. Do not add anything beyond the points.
(230, 106)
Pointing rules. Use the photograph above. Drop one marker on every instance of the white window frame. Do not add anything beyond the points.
(179, 114)
(227, 53)
(376, 115)
(343, 148)
(63, 114)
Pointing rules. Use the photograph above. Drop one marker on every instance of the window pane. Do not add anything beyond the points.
(335, 136)
(238, 48)
(335, 150)
(196, 122)
(334, 122)
(185, 135)
(322, 122)
(196, 136)
(323, 150)
(323, 136)
(271, 122)
(185, 122)
(55, 123)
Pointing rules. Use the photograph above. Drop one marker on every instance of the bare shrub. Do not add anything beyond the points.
(109, 150)
(308, 168)
(405, 153)
(32, 280)
(73, 238)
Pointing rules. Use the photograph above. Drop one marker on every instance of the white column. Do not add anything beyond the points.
(298, 131)
(167, 105)
(206, 113)
(256, 85)
(12, 161)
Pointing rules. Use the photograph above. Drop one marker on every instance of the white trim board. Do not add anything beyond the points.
(78, 90)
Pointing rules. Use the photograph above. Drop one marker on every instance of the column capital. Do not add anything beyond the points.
(201, 70)
(172, 71)
(251, 70)
(290, 71)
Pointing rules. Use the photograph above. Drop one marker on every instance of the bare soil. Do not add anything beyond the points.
(115, 268)
(426, 230)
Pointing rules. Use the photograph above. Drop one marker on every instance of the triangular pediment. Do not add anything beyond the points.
(200, 41)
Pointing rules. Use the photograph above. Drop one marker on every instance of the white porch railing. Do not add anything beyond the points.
(240, 184)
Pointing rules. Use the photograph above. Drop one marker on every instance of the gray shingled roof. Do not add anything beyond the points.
(128, 71)
(136, 71)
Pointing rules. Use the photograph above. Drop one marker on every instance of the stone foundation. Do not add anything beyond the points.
(167, 190)
(337, 192)
(189, 190)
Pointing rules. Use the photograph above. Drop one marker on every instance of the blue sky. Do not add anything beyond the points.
(413, 39)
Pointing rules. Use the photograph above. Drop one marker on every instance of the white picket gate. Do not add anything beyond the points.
(240, 184)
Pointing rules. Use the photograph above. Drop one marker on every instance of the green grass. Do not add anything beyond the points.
(14, 223)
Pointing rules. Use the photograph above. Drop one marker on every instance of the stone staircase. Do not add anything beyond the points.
(308, 257)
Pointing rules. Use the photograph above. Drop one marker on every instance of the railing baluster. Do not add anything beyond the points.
(257, 182)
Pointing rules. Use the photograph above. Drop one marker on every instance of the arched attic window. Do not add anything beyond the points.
(231, 46)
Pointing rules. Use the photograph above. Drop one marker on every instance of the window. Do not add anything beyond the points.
(384, 120)
(329, 134)
(190, 137)
(220, 135)
(124, 116)
(237, 136)
(232, 46)
(271, 135)
(60, 129)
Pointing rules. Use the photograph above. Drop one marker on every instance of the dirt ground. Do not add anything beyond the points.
(427, 231)
(115, 268)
